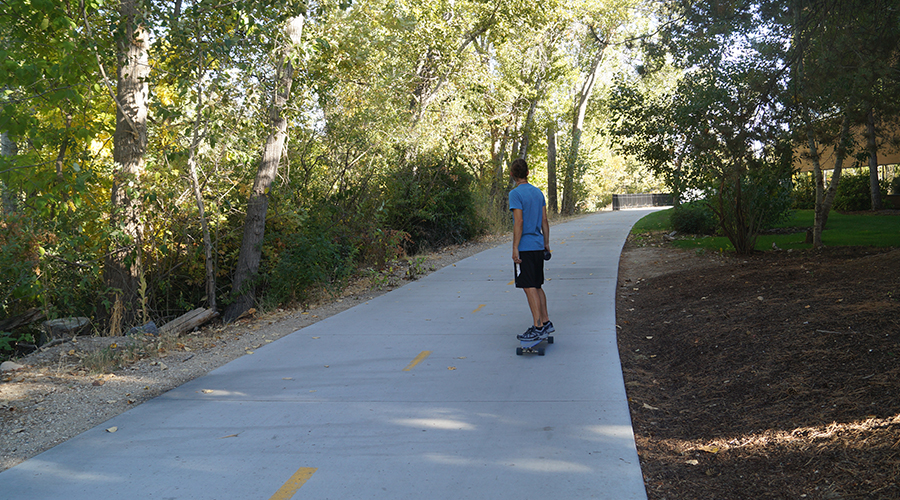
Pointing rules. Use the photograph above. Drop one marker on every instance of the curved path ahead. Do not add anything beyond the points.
(417, 394)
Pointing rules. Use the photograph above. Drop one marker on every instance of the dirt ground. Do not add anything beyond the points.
(773, 376)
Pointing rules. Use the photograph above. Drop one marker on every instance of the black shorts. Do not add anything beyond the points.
(530, 273)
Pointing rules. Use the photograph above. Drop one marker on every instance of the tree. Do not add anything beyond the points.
(843, 61)
(643, 126)
(123, 266)
(243, 286)
(581, 103)
(721, 130)
(551, 169)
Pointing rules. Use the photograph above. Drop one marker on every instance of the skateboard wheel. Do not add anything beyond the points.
(549, 340)
(518, 351)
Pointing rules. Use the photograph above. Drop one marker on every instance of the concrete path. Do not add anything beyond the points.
(417, 394)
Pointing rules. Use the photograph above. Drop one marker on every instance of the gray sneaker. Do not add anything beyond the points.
(531, 333)
(547, 328)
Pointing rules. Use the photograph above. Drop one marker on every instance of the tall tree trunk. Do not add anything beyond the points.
(198, 197)
(551, 168)
(7, 148)
(243, 291)
(825, 197)
(123, 266)
(526, 130)
(587, 88)
(872, 146)
(498, 183)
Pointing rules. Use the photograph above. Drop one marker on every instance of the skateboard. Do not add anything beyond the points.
(531, 346)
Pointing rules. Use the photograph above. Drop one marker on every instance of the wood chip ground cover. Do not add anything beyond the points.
(773, 376)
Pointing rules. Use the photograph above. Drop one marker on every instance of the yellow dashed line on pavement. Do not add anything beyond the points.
(422, 355)
(293, 484)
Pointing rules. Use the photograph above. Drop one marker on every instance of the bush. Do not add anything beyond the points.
(306, 249)
(854, 193)
(432, 201)
(20, 250)
(804, 193)
(694, 217)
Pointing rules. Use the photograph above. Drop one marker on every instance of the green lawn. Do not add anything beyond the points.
(842, 230)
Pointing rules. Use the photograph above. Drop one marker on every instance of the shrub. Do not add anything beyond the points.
(854, 193)
(804, 193)
(431, 200)
(694, 217)
(20, 249)
(305, 250)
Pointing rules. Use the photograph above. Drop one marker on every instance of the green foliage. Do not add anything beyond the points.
(10, 343)
(20, 252)
(759, 200)
(804, 191)
(372, 81)
(854, 193)
(694, 217)
(431, 199)
(313, 248)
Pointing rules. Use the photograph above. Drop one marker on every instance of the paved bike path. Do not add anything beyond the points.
(415, 394)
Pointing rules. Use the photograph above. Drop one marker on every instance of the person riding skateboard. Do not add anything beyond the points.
(531, 242)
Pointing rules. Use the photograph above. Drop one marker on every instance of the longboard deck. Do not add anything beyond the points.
(531, 346)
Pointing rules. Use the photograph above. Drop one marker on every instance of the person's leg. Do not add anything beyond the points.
(535, 297)
(544, 315)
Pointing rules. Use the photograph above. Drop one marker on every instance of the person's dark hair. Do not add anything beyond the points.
(519, 169)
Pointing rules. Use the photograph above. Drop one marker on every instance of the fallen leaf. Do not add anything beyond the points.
(451, 367)
(229, 436)
(648, 407)
(112, 429)
(692, 462)
(709, 449)
(206, 391)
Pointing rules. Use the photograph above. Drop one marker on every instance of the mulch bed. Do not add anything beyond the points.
(771, 376)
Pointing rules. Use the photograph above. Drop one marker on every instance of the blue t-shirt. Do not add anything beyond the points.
(530, 200)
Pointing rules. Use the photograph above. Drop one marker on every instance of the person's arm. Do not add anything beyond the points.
(545, 228)
(517, 234)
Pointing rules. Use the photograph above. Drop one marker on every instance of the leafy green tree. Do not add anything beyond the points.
(843, 63)
(243, 295)
(721, 129)
(601, 24)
